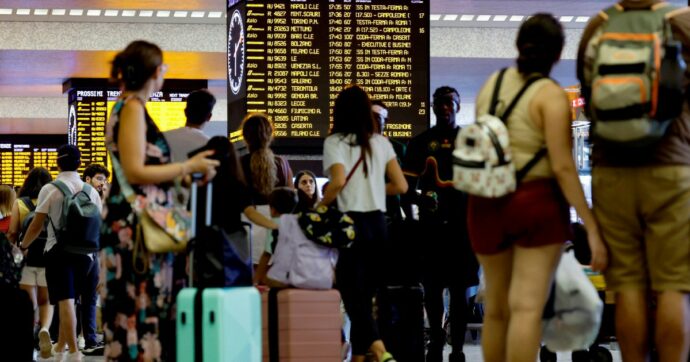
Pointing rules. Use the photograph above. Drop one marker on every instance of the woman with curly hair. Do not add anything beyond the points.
(263, 171)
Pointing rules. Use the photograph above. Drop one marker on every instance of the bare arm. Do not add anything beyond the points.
(335, 184)
(132, 147)
(34, 229)
(258, 218)
(397, 184)
(13, 232)
(551, 110)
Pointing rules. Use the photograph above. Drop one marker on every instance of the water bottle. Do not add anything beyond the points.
(17, 255)
(671, 74)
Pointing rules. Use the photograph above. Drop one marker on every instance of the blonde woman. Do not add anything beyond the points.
(263, 171)
(7, 196)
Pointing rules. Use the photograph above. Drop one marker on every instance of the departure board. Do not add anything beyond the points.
(294, 57)
(20, 153)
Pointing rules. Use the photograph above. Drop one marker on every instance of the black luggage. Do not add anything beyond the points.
(401, 321)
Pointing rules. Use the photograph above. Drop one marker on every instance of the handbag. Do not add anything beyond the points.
(11, 263)
(328, 226)
(160, 228)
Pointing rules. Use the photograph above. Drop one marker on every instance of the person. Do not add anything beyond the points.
(263, 171)
(519, 238)
(138, 298)
(68, 274)
(307, 190)
(393, 207)
(7, 196)
(641, 198)
(34, 273)
(447, 258)
(282, 200)
(198, 111)
(97, 176)
(353, 146)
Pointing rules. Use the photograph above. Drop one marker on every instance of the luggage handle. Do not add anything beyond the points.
(194, 201)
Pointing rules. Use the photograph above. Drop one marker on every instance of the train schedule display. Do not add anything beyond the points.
(20, 153)
(293, 57)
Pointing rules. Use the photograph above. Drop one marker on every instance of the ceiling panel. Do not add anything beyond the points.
(524, 7)
(41, 73)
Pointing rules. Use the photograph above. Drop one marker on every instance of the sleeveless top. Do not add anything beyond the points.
(282, 170)
(525, 137)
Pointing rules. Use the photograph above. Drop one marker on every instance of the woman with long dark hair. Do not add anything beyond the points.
(307, 190)
(354, 145)
(518, 238)
(34, 273)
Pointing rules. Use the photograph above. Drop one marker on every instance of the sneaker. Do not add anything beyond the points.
(387, 357)
(94, 350)
(74, 357)
(44, 343)
(58, 355)
(81, 342)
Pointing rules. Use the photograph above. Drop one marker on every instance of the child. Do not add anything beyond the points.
(283, 200)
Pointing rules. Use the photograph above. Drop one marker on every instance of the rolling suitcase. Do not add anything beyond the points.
(401, 321)
(302, 325)
(217, 324)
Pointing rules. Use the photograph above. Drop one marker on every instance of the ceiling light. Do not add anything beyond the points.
(500, 17)
(111, 12)
(76, 12)
(41, 12)
(435, 17)
(23, 11)
(163, 13)
(215, 14)
(450, 17)
(128, 13)
(5, 11)
(483, 17)
(582, 19)
(93, 12)
(146, 13)
(467, 18)
(180, 14)
(516, 18)
(198, 14)
(58, 12)
(566, 19)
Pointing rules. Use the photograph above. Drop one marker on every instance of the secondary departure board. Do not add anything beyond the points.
(294, 57)
(20, 153)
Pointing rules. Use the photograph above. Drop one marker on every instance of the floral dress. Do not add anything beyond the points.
(138, 296)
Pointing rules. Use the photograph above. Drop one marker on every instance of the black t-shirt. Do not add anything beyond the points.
(230, 198)
(429, 159)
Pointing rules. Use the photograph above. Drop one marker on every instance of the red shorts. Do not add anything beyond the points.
(536, 214)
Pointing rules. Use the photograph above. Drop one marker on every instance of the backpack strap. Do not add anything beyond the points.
(497, 87)
(521, 173)
(28, 203)
(511, 106)
(66, 192)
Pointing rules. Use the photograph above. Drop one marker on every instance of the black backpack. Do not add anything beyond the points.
(35, 257)
(80, 221)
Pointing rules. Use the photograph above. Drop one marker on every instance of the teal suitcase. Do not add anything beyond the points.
(231, 325)
(185, 325)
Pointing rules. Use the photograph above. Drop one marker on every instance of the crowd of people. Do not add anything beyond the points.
(637, 229)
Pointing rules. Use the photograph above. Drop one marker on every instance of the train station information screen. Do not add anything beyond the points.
(89, 111)
(291, 58)
(20, 153)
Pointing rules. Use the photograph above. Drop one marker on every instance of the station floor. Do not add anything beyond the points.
(473, 353)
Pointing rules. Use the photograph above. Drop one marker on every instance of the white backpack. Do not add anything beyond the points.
(482, 159)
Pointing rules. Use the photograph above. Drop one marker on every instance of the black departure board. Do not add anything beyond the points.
(90, 108)
(295, 56)
(20, 153)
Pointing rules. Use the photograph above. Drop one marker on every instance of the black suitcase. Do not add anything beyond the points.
(17, 333)
(401, 321)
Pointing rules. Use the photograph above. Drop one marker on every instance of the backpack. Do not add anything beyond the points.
(482, 159)
(35, 257)
(300, 262)
(635, 82)
(572, 315)
(80, 221)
